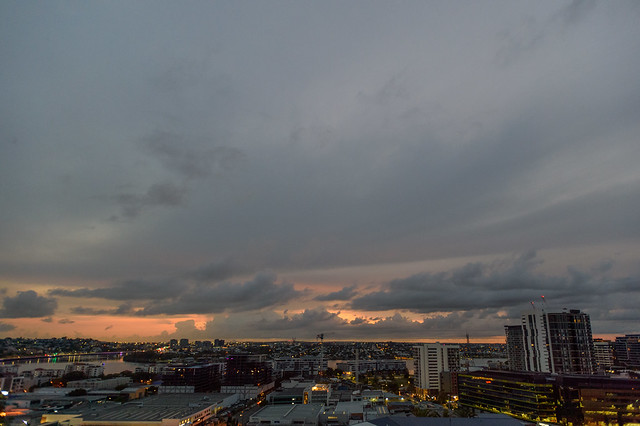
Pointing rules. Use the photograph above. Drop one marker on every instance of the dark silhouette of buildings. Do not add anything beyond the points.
(247, 370)
(202, 377)
(627, 350)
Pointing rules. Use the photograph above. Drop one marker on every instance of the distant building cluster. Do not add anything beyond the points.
(554, 372)
(11, 381)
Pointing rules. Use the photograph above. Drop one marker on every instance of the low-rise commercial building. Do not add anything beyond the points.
(368, 365)
(305, 366)
(95, 384)
(161, 410)
(298, 414)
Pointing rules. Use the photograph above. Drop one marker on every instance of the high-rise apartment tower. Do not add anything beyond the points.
(552, 342)
(430, 360)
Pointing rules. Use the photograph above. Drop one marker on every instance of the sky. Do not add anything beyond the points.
(369, 170)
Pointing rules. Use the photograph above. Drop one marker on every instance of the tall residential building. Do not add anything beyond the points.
(603, 353)
(515, 347)
(627, 350)
(553, 342)
(430, 360)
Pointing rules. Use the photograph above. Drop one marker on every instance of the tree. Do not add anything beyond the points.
(442, 398)
(464, 412)
(77, 392)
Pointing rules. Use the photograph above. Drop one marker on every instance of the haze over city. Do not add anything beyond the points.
(408, 171)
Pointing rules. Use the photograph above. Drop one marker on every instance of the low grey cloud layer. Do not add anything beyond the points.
(508, 286)
(28, 304)
(345, 294)
(139, 141)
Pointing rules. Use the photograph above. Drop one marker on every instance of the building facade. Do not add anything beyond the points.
(430, 360)
(627, 350)
(247, 370)
(552, 342)
(515, 347)
(555, 398)
(367, 365)
(603, 354)
(305, 366)
(183, 378)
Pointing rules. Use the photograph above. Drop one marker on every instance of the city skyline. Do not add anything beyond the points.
(410, 171)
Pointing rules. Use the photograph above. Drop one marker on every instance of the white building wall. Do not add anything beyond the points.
(537, 355)
(431, 359)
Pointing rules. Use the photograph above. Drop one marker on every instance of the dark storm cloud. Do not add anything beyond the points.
(124, 309)
(496, 285)
(345, 294)
(216, 271)
(311, 322)
(318, 319)
(177, 154)
(159, 194)
(162, 288)
(261, 292)
(27, 304)
(395, 135)
(575, 11)
(127, 290)
(531, 33)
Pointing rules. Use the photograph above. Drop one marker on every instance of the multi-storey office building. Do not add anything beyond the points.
(430, 360)
(247, 370)
(524, 395)
(177, 378)
(556, 398)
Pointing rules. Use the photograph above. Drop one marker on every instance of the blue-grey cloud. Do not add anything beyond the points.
(28, 304)
(4, 327)
(345, 294)
(503, 284)
(263, 291)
